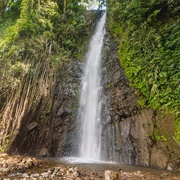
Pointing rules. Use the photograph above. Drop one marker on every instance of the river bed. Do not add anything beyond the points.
(22, 167)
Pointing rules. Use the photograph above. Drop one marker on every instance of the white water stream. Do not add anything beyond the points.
(90, 105)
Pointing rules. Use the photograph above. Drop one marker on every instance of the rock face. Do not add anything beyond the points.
(132, 135)
(66, 132)
(51, 130)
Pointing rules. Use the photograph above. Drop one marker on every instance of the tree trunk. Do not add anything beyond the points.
(3, 8)
(64, 9)
(62, 5)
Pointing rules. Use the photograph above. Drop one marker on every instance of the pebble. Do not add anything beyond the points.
(44, 175)
(110, 175)
(78, 178)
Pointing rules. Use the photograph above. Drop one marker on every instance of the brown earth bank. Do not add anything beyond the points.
(25, 167)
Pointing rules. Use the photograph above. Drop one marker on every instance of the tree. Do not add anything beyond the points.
(3, 6)
(62, 5)
(9, 7)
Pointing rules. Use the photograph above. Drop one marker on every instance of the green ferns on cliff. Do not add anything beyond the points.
(148, 36)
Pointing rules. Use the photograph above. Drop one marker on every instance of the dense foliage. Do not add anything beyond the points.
(37, 39)
(38, 26)
(148, 35)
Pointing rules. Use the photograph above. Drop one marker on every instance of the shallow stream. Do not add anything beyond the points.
(102, 165)
(65, 168)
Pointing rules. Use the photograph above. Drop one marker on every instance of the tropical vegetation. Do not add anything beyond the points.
(37, 39)
(148, 37)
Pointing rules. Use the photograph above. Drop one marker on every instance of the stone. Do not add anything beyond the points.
(45, 175)
(78, 178)
(44, 152)
(5, 165)
(35, 175)
(75, 173)
(170, 167)
(4, 155)
(63, 114)
(31, 125)
(63, 169)
(25, 175)
(110, 175)
(138, 173)
(107, 175)
(70, 172)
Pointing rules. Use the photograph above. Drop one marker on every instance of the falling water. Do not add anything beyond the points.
(90, 105)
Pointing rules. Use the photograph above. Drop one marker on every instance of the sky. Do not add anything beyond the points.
(93, 5)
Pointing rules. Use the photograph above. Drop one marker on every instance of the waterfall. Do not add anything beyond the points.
(90, 102)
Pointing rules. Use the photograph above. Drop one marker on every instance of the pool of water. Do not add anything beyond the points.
(104, 165)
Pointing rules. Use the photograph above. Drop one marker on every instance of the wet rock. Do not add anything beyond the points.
(44, 152)
(170, 166)
(34, 175)
(75, 173)
(31, 125)
(159, 157)
(64, 113)
(25, 175)
(133, 130)
(45, 175)
(55, 172)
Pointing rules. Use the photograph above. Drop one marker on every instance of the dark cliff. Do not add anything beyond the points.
(130, 131)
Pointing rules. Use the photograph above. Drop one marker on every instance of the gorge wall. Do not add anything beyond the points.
(131, 135)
